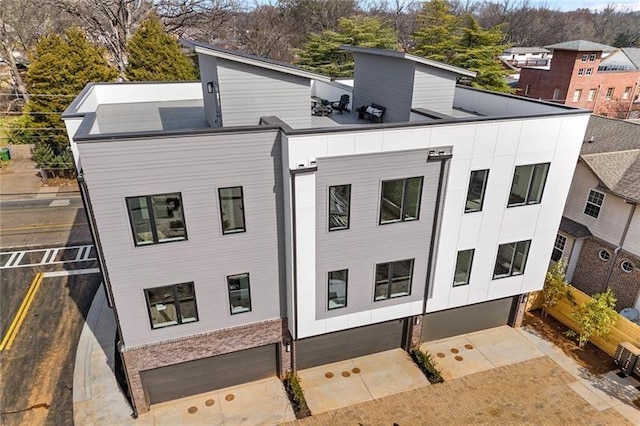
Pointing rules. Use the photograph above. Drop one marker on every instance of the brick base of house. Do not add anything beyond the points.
(591, 273)
(147, 357)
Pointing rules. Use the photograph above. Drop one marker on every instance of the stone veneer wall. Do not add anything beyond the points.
(200, 346)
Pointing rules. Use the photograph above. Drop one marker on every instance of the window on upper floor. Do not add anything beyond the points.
(592, 57)
(528, 184)
(556, 94)
(595, 199)
(171, 305)
(558, 248)
(577, 94)
(400, 200)
(585, 57)
(527, 89)
(337, 294)
(511, 259)
(581, 71)
(609, 94)
(476, 190)
(232, 210)
(156, 218)
(589, 71)
(393, 279)
(339, 207)
(627, 93)
(592, 95)
(464, 261)
(239, 293)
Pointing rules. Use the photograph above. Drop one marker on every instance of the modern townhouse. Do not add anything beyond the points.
(244, 230)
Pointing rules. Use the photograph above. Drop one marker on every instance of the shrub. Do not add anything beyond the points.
(427, 365)
(555, 286)
(595, 317)
(296, 395)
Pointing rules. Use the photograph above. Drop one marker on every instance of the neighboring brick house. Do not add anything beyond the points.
(242, 232)
(600, 231)
(588, 75)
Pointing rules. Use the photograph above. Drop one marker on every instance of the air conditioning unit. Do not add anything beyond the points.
(626, 357)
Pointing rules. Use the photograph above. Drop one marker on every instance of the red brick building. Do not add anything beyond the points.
(588, 75)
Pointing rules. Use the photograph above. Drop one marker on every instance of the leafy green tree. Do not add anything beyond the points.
(438, 36)
(596, 317)
(555, 287)
(153, 55)
(322, 53)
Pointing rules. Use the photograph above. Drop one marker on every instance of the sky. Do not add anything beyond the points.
(566, 5)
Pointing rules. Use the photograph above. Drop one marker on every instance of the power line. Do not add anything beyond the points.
(40, 95)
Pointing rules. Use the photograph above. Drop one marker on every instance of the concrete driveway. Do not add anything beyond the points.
(356, 380)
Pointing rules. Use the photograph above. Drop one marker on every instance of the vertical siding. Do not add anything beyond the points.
(433, 89)
(248, 93)
(385, 81)
(196, 166)
(366, 243)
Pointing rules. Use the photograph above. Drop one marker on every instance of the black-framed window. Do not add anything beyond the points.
(339, 207)
(232, 209)
(511, 259)
(337, 293)
(558, 247)
(156, 218)
(393, 279)
(477, 188)
(528, 184)
(463, 267)
(171, 305)
(239, 293)
(594, 203)
(400, 200)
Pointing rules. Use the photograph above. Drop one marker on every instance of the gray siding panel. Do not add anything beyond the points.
(385, 81)
(433, 89)
(367, 243)
(118, 169)
(248, 93)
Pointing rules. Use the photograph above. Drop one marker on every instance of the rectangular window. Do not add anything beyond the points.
(556, 94)
(400, 201)
(576, 95)
(589, 71)
(393, 279)
(171, 305)
(239, 293)
(592, 94)
(475, 193)
(528, 184)
(232, 210)
(337, 296)
(594, 203)
(585, 57)
(156, 218)
(463, 267)
(581, 71)
(527, 89)
(592, 57)
(609, 94)
(558, 248)
(627, 93)
(339, 203)
(511, 259)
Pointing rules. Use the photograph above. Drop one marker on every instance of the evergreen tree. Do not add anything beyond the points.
(322, 53)
(438, 36)
(153, 55)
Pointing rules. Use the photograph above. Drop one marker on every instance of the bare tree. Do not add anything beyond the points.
(265, 31)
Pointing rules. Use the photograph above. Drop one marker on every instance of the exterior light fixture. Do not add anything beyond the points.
(210, 87)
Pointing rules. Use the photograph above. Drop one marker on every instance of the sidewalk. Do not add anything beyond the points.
(20, 180)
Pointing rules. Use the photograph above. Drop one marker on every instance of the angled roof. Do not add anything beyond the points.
(633, 53)
(581, 46)
(574, 228)
(256, 61)
(612, 151)
(526, 50)
(402, 55)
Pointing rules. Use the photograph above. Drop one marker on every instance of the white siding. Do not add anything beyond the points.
(433, 89)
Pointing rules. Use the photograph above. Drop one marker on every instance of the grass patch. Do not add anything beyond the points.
(296, 396)
(427, 365)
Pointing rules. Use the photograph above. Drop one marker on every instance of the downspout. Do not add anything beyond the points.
(617, 249)
(595, 104)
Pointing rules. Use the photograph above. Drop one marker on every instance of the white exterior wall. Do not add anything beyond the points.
(497, 145)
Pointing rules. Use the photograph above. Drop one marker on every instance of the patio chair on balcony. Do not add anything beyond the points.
(341, 105)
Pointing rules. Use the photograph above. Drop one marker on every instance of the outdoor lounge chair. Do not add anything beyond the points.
(341, 105)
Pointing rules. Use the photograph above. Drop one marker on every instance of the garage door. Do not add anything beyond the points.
(207, 374)
(467, 319)
(347, 344)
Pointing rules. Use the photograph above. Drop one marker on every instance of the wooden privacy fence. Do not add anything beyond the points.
(623, 330)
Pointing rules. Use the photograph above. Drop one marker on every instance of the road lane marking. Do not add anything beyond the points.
(48, 256)
(14, 327)
(70, 273)
(60, 203)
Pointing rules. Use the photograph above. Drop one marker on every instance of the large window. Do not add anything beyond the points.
(511, 259)
(232, 209)
(239, 293)
(393, 279)
(592, 94)
(609, 93)
(577, 94)
(339, 204)
(475, 193)
(156, 218)
(528, 184)
(627, 93)
(337, 295)
(400, 200)
(171, 305)
(594, 203)
(558, 248)
(463, 267)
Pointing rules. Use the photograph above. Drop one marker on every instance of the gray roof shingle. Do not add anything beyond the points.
(574, 228)
(581, 46)
(633, 53)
